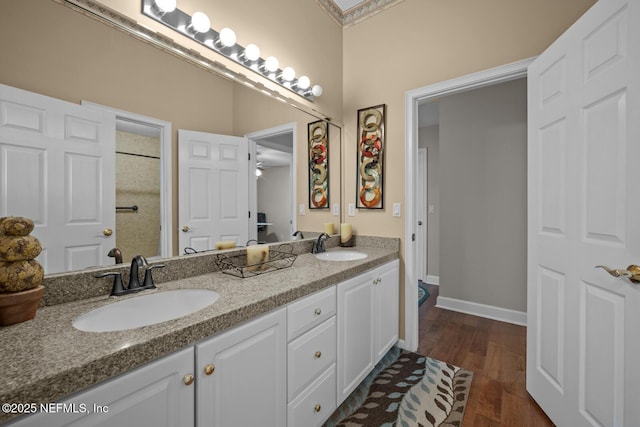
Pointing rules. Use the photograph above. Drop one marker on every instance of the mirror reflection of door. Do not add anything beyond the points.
(213, 190)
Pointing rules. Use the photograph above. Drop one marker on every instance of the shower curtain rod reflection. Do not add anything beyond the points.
(138, 155)
(133, 208)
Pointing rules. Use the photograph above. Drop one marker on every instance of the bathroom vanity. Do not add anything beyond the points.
(279, 349)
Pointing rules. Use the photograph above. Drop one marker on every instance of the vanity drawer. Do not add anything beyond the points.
(313, 407)
(310, 311)
(309, 355)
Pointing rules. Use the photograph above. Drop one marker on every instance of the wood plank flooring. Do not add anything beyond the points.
(495, 352)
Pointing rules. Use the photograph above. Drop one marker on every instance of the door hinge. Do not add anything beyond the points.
(249, 214)
(413, 237)
(249, 156)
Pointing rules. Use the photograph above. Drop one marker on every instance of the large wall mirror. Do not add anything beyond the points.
(150, 90)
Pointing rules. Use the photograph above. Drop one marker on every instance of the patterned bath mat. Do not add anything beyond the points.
(407, 390)
(423, 293)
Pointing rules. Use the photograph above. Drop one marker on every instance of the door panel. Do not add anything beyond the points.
(58, 168)
(584, 142)
(214, 187)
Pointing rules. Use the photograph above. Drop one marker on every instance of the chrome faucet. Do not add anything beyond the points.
(318, 245)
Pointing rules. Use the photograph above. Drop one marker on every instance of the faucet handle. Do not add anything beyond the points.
(148, 278)
(117, 288)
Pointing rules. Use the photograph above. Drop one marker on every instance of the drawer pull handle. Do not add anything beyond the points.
(318, 355)
(317, 408)
(188, 379)
(318, 312)
(208, 369)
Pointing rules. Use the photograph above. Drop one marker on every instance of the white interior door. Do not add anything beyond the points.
(57, 167)
(584, 145)
(213, 189)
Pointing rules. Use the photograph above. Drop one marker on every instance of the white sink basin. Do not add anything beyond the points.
(341, 255)
(145, 310)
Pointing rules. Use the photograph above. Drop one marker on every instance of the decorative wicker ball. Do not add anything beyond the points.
(17, 276)
(15, 226)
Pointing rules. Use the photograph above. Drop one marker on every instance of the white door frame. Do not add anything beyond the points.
(477, 80)
(166, 200)
(261, 134)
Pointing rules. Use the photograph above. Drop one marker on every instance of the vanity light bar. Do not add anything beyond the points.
(195, 27)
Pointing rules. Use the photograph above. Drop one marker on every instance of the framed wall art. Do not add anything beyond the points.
(370, 167)
(318, 143)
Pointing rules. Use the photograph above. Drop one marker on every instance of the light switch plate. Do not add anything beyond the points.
(396, 209)
(352, 209)
(336, 209)
(301, 209)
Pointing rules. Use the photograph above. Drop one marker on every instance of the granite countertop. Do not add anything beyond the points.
(45, 359)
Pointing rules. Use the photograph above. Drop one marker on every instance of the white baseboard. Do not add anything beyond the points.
(482, 310)
(433, 280)
(403, 345)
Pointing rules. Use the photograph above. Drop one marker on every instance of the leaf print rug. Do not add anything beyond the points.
(406, 390)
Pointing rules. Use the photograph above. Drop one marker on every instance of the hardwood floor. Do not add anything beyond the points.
(495, 352)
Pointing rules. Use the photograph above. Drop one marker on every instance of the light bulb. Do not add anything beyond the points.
(227, 37)
(316, 90)
(166, 6)
(271, 63)
(252, 52)
(288, 74)
(200, 22)
(304, 82)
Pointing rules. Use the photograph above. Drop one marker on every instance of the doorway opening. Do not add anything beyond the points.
(272, 187)
(413, 99)
(143, 184)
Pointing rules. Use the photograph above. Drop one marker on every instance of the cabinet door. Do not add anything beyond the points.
(248, 384)
(355, 333)
(152, 395)
(386, 307)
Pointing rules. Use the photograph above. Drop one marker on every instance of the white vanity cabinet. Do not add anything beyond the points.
(311, 359)
(160, 393)
(290, 367)
(242, 374)
(368, 316)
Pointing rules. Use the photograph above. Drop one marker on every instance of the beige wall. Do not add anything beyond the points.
(420, 42)
(297, 32)
(483, 195)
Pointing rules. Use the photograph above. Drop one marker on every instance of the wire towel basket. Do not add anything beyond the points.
(236, 265)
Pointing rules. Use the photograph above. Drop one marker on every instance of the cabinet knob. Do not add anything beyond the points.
(188, 379)
(208, 369)
(318, 355)
(318, 312)
(317, 408)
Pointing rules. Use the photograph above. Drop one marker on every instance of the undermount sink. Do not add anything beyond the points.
(341, 255)
(145, 310)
